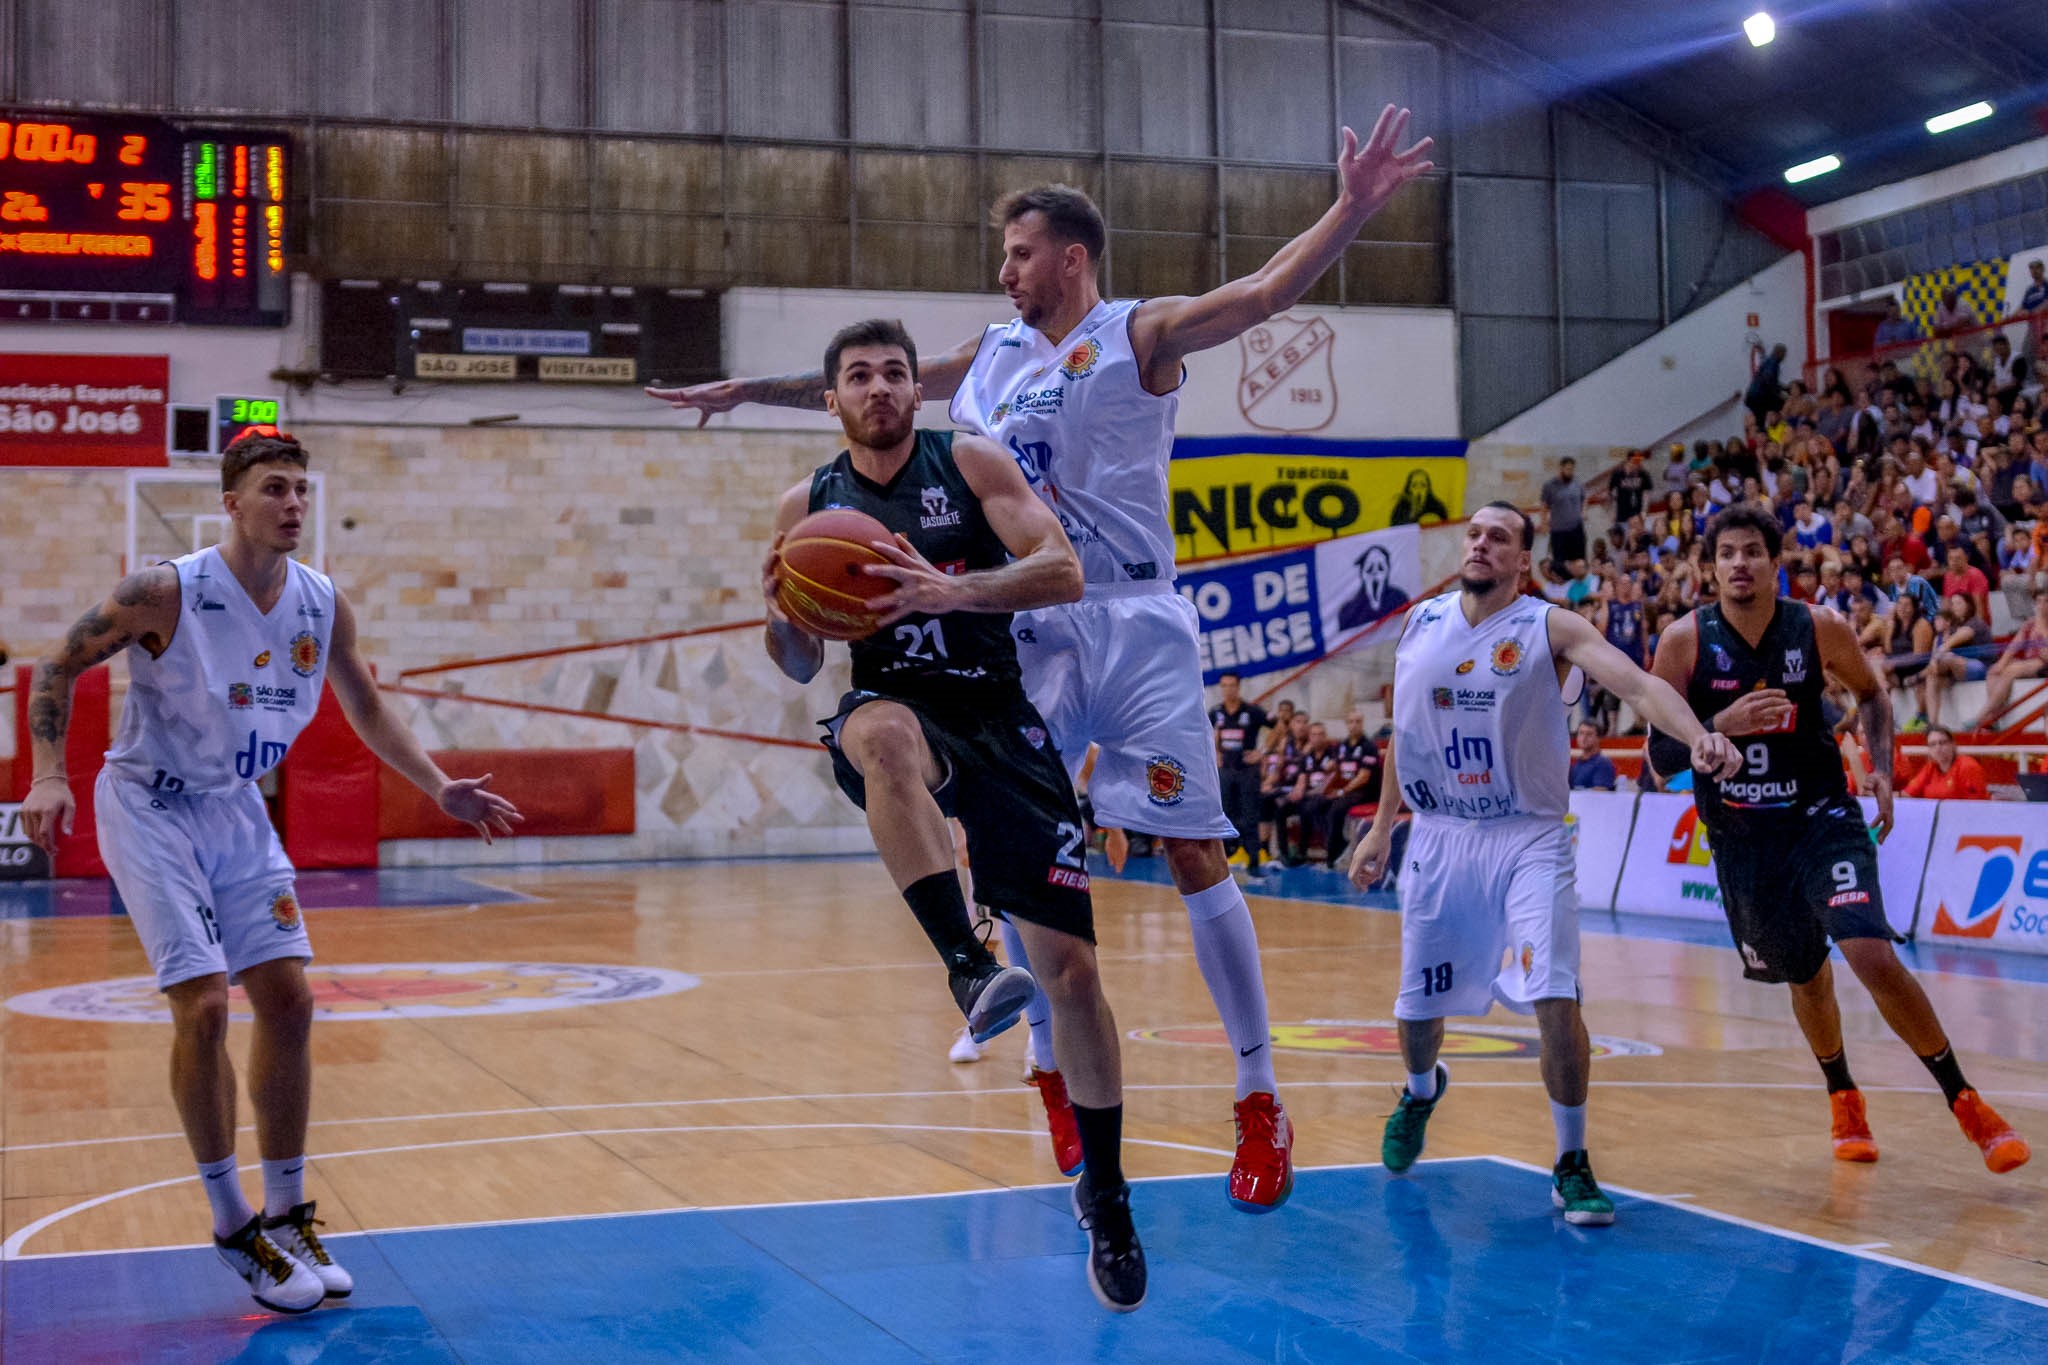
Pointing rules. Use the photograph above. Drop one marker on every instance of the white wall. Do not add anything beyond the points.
(1393, 371)
(1961, 178)
(1670, 381)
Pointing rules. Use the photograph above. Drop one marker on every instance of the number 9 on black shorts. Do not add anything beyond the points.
(1002, 778)
(1785, 898)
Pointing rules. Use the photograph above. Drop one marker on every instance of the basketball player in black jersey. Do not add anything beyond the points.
(1237, 723)
(1796, 864)
(937, 725)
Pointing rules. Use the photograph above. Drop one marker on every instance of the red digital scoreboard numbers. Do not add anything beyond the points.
(137, 220)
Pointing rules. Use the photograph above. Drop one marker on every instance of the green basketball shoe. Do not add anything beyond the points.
(1573, 1189)
(1401, 1144)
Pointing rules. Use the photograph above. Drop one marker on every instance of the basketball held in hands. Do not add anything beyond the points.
(825, 586)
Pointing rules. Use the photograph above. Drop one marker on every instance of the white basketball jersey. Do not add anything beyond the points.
(1091, 440)
(222, 704)
(1479, 719)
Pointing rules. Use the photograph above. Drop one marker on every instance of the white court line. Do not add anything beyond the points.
(11, 1250)
(692, 1208)
(1016, 1090)
(1863, 1250)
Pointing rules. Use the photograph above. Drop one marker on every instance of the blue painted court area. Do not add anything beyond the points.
(339, 890)
(1461, 1260)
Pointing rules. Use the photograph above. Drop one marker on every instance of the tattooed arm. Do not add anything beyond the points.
(1841, 656)
(143, 610)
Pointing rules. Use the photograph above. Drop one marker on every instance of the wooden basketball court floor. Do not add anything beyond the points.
(704, 1111)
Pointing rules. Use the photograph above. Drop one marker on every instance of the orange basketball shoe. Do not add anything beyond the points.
(1262, 1176)
(2004, 1150)
(1059, 1119)
(1851, 1129)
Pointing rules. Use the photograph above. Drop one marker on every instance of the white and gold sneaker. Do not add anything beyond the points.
(293, 1231)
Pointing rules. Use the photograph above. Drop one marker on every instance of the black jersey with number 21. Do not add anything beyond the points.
(930, 503)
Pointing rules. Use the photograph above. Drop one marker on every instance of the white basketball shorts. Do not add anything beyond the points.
(204, 878)
(1123, 671)
(1489, 911)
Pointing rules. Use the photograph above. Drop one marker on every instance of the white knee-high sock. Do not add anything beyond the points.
(1227, 951)
(1570, 1122)
(1037, 1014)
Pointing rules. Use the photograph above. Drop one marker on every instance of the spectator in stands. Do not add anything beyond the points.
(1630, 486)
(1966, 580)
(2036, 296)
(1947, 775)
(1766, 392)
(1976, 517)
(1356, 783)
(1564, 510)
(1922, 482)
(1953, 313)
(1902, 582)
(1908, 636)
(2008, 371)
(1284, 766)
(1810, 530)
(1863, 556)
(1961, 633)
(1314, 772)
(1848, 522)
(1677, 474)
(1591, 769)
(2025, 656)
(1895, 328)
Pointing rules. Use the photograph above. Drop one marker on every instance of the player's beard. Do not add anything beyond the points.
(1478, 587)
(882, 431)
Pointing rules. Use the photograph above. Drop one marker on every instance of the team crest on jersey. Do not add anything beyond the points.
(284, 909)
(262, 660)
(1034, 735)
(938, 510)
(1081, 361)
(1442, 697)
(1166, 781)
(1528, 958)
(1795, 665)
(1462, 669)
(305, 653)
(1722, 662)
(1507, 657)
(240, 696)
(998, 413)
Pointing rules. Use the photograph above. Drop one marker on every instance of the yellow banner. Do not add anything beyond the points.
(1235, 503)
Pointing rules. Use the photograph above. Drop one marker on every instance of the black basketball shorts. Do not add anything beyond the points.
(1786, 894)
(1002, 778)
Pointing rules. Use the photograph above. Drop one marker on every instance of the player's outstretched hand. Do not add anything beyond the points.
(703, 399)
(1759, 712)
(1369, 859)
(47, 812)
(1716, 756)
(1374, 173)
(486, 812)
(921, 589)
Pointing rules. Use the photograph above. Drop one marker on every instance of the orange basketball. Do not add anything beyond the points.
(825, 588)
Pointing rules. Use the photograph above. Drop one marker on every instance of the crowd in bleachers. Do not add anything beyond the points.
(1910, 504)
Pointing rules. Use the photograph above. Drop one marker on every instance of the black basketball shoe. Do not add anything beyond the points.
(1116, 1259)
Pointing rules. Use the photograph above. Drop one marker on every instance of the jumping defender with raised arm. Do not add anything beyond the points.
(1081, 392)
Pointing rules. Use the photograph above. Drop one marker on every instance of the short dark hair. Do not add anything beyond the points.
(1743, 517)
(873, 332)
(1940, 729)
(258, 445)
(1228, 676)
(1070, 215)
(1528, 527)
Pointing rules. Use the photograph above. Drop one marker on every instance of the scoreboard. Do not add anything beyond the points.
(118, 219)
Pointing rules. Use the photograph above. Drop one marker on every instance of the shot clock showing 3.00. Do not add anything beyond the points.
(141, 214)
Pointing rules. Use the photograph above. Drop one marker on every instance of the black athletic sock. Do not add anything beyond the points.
(1948, 1075)
(1102, 1140)
(942, 913)
(1836, 1069)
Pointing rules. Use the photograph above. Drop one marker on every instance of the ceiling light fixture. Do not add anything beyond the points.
(1760, 28)
(1956, 118)
(1807, 170)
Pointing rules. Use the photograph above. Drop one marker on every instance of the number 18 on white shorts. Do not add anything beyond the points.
(1489, 911)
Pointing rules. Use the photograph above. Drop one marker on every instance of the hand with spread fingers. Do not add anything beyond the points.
(466, 799)
(1375, 172)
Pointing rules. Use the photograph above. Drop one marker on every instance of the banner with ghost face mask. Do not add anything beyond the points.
(1284, 610)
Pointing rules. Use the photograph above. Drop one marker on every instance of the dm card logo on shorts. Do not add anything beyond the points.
(1081, 361)
(1034, 735)
(385, 991)
(1466, 667)
(1382, 1038)
(1795, 665)
(1440, 697)
(938, 510)
(1507, 657)
(305, 653)
(241, 696)
(1166, 781)
(1996, 874)
(284, 912)
(262, 660)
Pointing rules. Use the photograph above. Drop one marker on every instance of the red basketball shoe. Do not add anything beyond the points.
(1262, 1176)
(1850, 1130)
(1059, 1119)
